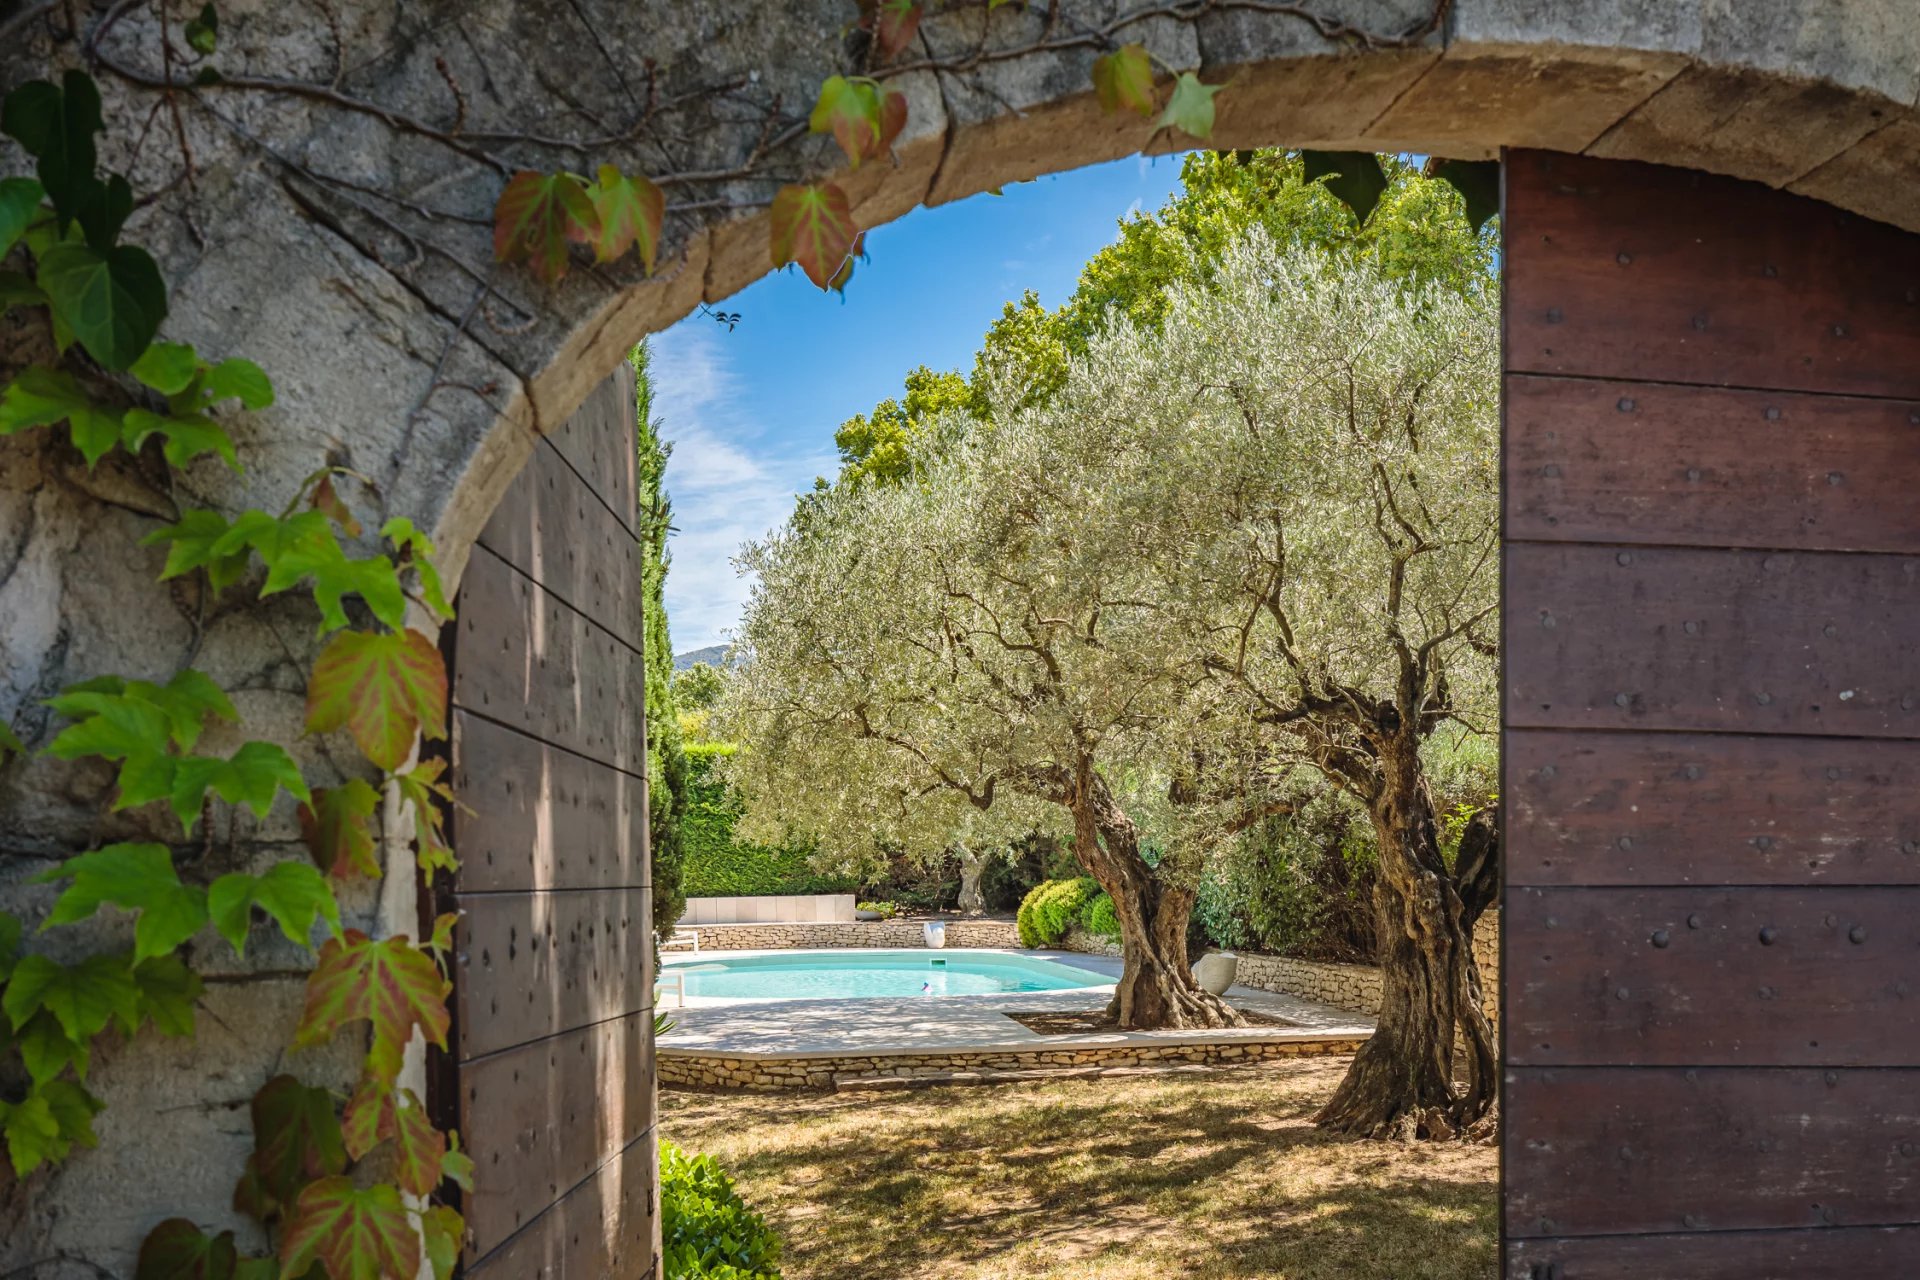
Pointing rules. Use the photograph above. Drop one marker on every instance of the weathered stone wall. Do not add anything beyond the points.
(776, 1075)
(1345, 986)
(859, 933)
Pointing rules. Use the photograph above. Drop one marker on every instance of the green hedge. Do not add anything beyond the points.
(707, 1231)
(1051, 907)
(1100, 919)
(718, 866)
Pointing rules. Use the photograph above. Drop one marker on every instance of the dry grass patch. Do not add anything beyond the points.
(1216, 1177)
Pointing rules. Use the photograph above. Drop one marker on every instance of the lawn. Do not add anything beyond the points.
(1210, 1177)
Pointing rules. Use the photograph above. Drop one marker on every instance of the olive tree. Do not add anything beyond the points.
(1298, 468)
(939, 662)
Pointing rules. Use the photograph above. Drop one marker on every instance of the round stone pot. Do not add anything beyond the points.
(935, 932)
(1216, 970)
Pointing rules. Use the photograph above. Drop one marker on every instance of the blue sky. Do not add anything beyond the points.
(752, 412)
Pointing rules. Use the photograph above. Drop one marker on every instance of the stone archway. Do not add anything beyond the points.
(346, 250)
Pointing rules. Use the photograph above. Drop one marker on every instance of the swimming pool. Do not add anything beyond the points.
(829, 975)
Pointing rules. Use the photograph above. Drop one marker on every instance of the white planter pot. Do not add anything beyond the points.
(935, 932)
(1216, 970)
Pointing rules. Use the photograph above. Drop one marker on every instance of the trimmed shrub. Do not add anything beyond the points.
(718, 866)
(1053, 905)
(1100, 919)
(707, 1231)
(885, 910)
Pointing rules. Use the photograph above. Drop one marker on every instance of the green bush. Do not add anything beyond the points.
(885, 910)
(1100, 919)
(707, 1231)
(1051, 907)
(718, 866)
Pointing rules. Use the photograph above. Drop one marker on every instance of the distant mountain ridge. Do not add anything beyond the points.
(714, 655)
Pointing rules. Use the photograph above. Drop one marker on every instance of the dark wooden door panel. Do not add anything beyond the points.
(540, 1118)
(540, 817)
(1714, 977)
(1620, 270)
(1684, 808)
(1604, 1150)
(1627, 462)
(560, 534)
(535, 964)
(1827, 1253)
(1753, 642)
(545, 669)
(598, 443)
(600, 1229)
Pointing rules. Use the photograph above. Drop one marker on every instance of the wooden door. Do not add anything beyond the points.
(1712, 730)
(551, 1076)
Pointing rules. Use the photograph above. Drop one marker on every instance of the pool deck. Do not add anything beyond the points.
(914, 1035)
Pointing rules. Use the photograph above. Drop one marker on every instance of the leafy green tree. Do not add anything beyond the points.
(876, 446)
(698, 687)
(666, 758)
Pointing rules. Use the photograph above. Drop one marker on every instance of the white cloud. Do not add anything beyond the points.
(727, 483)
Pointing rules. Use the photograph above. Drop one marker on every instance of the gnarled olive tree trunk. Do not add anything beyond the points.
(1401, 1083)
(1156, 987)
(971, 902)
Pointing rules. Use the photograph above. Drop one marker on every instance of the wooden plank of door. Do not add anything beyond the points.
(1825, 1253)
(600, 1230)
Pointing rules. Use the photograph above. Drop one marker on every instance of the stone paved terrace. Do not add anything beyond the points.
(771, 1045)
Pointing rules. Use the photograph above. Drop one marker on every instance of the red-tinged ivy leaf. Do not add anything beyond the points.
(631, 212)
(360, 1234)
(292, 893)
(813, 226)
(850, 111)
(134, 877)
(440, 1229)
(252, 776)
(296, 1139)
(338, 828)
(40, 397)
(328, 501)
(47, 1049)
(168, 992)
(537, 216)
(420, 787)
(1190, 109)
(893, 118)
(83, 997)
(892, 23)
(391, 983)
(380, 1113)
(360, 1124)
(178, 1250)
(1123, 80)
(382, 688)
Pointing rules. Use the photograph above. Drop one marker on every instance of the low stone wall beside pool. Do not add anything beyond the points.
(750, 1074)
(860, 933)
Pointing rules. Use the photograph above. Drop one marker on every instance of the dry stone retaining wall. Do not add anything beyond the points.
(765, 1075)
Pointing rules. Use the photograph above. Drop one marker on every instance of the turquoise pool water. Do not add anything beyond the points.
(828, 975)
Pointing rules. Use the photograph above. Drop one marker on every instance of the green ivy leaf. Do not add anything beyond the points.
(167, 367)
(419, 552)
(358, 1233)
(296, 1139)
(184, 437)
(458, 1165)
(74, 1109)
(238, 379)
(40, 397)
(382, 688)
(33, 1133)
(1190, 109)
(292, 893)
(47, 1049)
(168, 992)
(631, 212)
(178, 1250)
(16, 290)
(56, 126)
(1478, 182)
(337, 825)
(134, 877)
(536, 217)
(203, 32)
(1354, 177)
(850, 111)
(84, 997)
(441, 1227)
(190, 545)
(1123, 80)
(390, 983)
(420, 787)
(252, 776)
(10, 932)
(113, 301)
(19, 206)
(813, 226)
